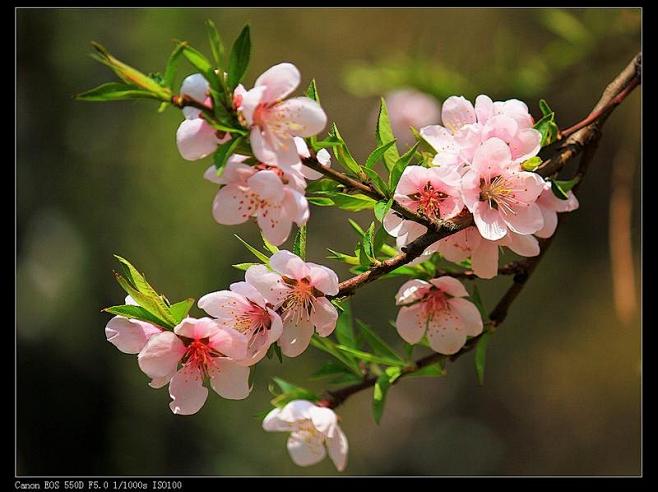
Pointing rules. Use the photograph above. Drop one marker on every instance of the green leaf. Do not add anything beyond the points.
(381, 209)
(323, 184)
(336, 255)
(378, 241)
(269, 246)
(180, 309)
(290, 392)
(431, 370)
(355, 225)
(481, 355)
(223, 152)
(312, 92)
(377, 154)
(154, 304)
(399, 167)
(135, 312)
(244, 266)
(170, 69)
(377, 181)
(320, 201)
(548, 129)
(384, 133)
(239, 58)
(115, 91)
(326, 345)
(368, 357)
(129, 74)
(377, 344)
(265, 259)
(531, 164)
(337, 371)
(545, 108)
(477, 300)
(344, 327)
(216, 45)
(299, 246)
(380, 391)
(561, 188)
(342, 153)
(353, 203)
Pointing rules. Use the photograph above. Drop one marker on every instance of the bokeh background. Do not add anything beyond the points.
(563, 379)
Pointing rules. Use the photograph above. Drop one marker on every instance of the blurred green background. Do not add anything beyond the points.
(562, 392)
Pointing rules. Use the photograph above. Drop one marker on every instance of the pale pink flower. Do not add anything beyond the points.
(273, 196)
(298, 289)
(437, 308)
(127, 334)
(244, 309)
(433, 193)
(550, 205)
(314, 432)
(204, 349)
(468, 243)
(273, 121)
(500, 195)
(322, 156)
(465, 127)
(195, 138)
(411, 108)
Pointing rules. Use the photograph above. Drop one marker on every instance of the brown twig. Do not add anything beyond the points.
(586, 139)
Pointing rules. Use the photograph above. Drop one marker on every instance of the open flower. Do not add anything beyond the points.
(204, 349)
(550, 205)
(433, 193)
(273, 121)
(244, 309)
(500, 195)
(314, 431)
(195, 138)
(273, 196)
(437, 308)
(469, 243)
(298, 290)
(465, 127)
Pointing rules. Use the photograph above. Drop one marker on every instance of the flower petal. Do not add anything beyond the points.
(275, 224)
(456, 112)
(305, 451)
(524, 220)
(484, 108)
(289, 264)
(338, 449)
(469, 313)
(268, 283)
(484, 259)
(440, 138)
(324, 316)
(492, 155)
(324, 420)
(267, 185)
(233, 205)
(446, 332)
(230, 342)
(525, 144)
(272, 422)
(229, 380)
(304, 116)
(196, 328)
(196, 139)
(296, 410)
(411, 291)
(489, 221)
(160, 356)
(523, 245)
(450, 285)
(411, 323)
(187, 391)
(129, 335)
(224, 304)
(297, 333)
(322, 278)
(279, 81)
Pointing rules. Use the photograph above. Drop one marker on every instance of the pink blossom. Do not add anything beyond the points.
(411, 108)
(127, 334)
(314, 432)
(437, 308)
(500, 195)
(433, 193)
(244, 309)
(204, 349)
(298, 289)
(550, 205)
(465, 127)
(273, 121)
(195, 138)
(468, 243)
(273, 196)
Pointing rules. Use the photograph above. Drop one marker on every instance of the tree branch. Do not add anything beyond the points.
(585, 140)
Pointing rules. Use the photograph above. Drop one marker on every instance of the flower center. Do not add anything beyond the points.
(499, 193)
(299, 302)
(434, 302)
(429, 200)
(199, 355)
(308, 433)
